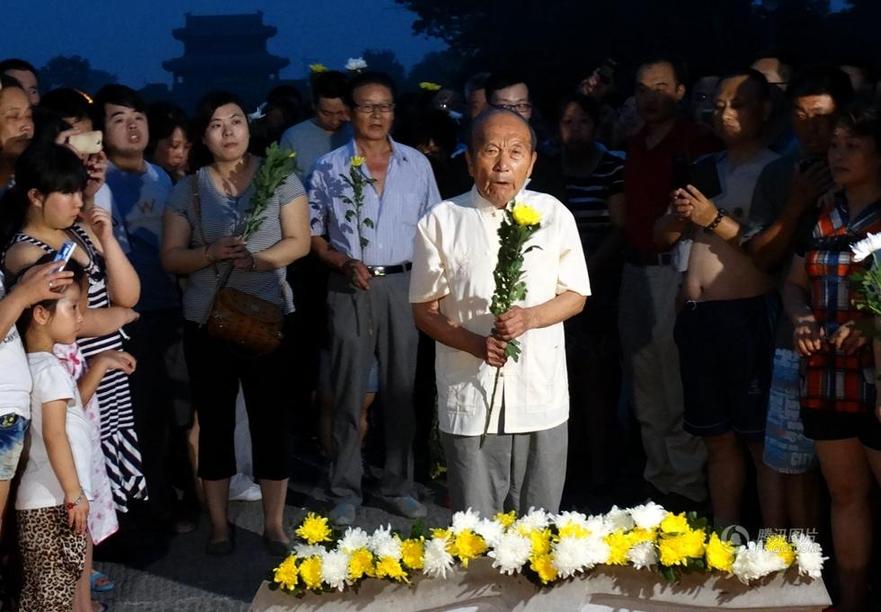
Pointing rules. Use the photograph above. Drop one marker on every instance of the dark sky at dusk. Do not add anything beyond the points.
(132, 38)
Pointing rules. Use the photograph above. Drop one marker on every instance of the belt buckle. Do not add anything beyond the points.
(377, 271)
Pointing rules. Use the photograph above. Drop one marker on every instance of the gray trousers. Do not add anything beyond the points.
(363, 324)
(510, 472)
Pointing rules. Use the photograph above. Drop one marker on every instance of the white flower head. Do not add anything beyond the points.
(618, 519)
(809, 555)
(490, 530)
(469, 519)
(356, 64)
(865, 247)
(648, 516)
(573, 555)
(596, 550)
(567, 518)
(436, 560)
(511, 552)
(383, 543)
(643, 555)
(753, 562)
(598, 525)
(303, 551)
(533, 520)
(353, 539)
(335, 569)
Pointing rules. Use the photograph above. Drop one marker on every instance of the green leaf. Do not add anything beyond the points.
(368, 223)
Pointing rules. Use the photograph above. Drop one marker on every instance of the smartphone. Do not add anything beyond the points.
(65, 253)
(87, 143)
(703, 174)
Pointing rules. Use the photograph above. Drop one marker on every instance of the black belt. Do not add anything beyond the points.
(655, 259)
(385, 270)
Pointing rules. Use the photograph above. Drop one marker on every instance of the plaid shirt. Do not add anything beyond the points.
(833, 381)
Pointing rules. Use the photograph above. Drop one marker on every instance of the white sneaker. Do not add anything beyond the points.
(242, 488)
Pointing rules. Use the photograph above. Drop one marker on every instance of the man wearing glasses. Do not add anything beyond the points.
(368, 308)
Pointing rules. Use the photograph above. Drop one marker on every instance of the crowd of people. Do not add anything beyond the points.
(693, 271)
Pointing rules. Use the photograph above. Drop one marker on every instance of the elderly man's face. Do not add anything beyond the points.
(501, 158)
(514, 98)
(374, 112)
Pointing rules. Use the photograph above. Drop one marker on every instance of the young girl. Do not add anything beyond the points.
(52, 505)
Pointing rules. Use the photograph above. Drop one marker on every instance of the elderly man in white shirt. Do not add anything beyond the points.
(522, 461)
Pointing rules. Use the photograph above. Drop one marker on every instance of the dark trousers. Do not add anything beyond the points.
(216, 370)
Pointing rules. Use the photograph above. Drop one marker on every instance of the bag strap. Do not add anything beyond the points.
(222, 277)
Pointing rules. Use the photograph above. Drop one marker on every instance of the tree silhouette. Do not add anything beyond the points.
(73, 71)
(384, 60)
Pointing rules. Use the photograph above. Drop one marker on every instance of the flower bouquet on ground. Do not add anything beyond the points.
(545, 548)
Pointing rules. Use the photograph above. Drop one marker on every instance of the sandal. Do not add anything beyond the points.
(100, 582)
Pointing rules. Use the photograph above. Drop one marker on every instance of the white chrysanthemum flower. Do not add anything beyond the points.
(598, 526)
(643, 555)
(573, 555)
(335, 569)
(567, 518)
(353, 539)
(511, 552)
(533, 520)
(865, 247)
(490, 530)
(436, 561)
(302, 551)
(469, 519)
(753, 562)
(356, 63)
(619, 519)
(383, 543)
(808, 554)
(648, 516)
(597, 551)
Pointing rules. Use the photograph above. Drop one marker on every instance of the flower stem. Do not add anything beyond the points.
(492, 402)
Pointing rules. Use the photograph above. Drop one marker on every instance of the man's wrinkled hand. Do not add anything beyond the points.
(357, 273)
(494, 351)
(514, 323)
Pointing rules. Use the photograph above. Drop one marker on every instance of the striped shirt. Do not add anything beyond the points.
(409, 192)
(588, 199)
(223, 215)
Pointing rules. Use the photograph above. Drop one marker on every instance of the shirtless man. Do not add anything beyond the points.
(724, 328)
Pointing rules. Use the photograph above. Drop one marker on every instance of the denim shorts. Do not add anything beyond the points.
(13, 428)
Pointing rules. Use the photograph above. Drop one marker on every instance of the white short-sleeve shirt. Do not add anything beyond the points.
(39, 486)
(455, 253)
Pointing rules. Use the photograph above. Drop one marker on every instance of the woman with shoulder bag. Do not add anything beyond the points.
(202, 239)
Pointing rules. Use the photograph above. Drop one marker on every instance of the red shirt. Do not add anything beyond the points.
(648, 178)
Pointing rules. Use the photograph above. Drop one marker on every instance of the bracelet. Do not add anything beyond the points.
(720, 214)
(74, 503)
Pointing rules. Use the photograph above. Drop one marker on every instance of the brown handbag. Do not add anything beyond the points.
(252, 324)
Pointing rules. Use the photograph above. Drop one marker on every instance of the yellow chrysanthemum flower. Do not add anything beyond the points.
(505, 519)
(310, 572)
(357, 161)
(429, 86)
(314, 529)
(544, 567)
(541, 542)
(619, 544)
(638, 536)
(525, 215)
(286, 573)
(677, 549)
(413, 553)
(467, 545)
(360, 564)
(573, 530)
(675, 523)
(442, 534)
(389, 567)
(779, 545)
(720, 554)
(316, 68)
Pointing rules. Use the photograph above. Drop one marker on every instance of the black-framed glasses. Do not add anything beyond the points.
(520, 107)
(369, 109)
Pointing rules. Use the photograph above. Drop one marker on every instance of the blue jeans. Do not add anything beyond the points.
(13, 428)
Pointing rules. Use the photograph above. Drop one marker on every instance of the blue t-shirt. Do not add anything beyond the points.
(137, 203)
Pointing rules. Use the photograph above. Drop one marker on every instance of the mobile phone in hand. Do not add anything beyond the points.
(87, 143)
(65, 253)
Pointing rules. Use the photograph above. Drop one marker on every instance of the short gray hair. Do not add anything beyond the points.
(493, 111)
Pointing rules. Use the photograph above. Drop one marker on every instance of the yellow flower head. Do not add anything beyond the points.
(285, 574)
(467, 545)
(314, 529)
(638, 536)
(779, 545)
(316, 68)
(573, 530)
(412, 553)
(525, 215)
(389, 567)
(677, 549)
(541, 542)
(544, 567)
(619, 544)
(429, 86)
(442, 534)
(360, 564)
(674, 523)
(506, 519)
(720, 554)
(310, 572)
(357, 161)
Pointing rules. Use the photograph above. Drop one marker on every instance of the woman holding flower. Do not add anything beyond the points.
(839, 381)
(202, 239)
